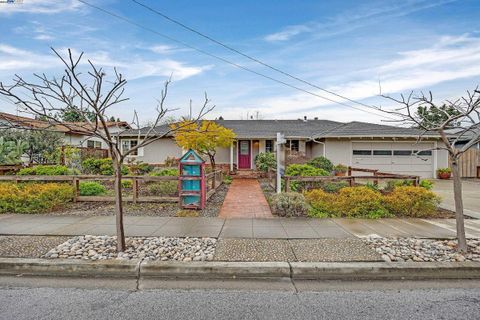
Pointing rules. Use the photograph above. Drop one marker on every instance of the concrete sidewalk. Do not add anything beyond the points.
(275, 228)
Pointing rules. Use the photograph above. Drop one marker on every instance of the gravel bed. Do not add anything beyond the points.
(149, 248)
(28, 246)
(253, 250)
(412, 249)
(90, 209)
(328, 250)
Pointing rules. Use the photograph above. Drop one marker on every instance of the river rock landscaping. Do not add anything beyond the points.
(419, 250)
(90, 247)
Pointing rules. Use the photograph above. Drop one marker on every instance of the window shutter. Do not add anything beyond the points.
(140, 152)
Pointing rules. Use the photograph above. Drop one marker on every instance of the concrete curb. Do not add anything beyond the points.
(385, 270)
(143, 270)
(214, 270)
(70, 268)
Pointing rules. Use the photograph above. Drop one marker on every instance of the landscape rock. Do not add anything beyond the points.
(147, 248)
(418, 250)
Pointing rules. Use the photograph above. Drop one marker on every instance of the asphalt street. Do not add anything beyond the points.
(387, 300)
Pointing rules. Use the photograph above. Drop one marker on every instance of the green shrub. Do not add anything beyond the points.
(227, 180)
(355, 202)
(161, 172)
(303, 170)
(139, 168)
(322, 203)
(33, 197)
(372, 186)
(101, 166)
(334, 187)
(290, 204)
(163, 188)
(411, 201)
(92, 188)
(322, 163)
(359, 202)
(127, 184)
(426, 184)
(444, 170)
(265, 161)
(392, 184)
(45, 170)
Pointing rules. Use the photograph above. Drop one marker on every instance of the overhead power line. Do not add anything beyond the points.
(138, 25)
(156, 11)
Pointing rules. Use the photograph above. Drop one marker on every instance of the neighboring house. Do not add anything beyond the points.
(466, 137)
(357, 144)
(75, 133)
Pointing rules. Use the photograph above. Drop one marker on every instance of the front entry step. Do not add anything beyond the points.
(246, 174)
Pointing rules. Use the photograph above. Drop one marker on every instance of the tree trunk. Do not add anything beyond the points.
(457, 193)
(119, 205)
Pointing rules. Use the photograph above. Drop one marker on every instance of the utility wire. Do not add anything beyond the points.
(246, 55)
(223, 59)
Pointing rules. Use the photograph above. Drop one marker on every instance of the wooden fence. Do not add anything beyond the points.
(213, 180)
(469, 164)
(376, 176)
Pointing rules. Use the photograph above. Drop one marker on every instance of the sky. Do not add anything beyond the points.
(353, 48)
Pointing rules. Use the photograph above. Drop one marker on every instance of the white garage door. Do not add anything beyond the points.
(395, 157)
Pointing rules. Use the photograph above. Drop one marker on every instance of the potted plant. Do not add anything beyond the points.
(444, 173)
(340, 170)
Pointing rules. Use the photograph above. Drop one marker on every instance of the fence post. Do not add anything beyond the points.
(135, 189)
(416, 181)
(287, 184)
(375, 182)
(349, 171)
(76, 187)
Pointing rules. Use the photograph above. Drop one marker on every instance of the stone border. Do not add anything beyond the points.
(141, 270)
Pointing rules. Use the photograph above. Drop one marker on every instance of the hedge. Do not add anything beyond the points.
(33, 197)
(365, 202)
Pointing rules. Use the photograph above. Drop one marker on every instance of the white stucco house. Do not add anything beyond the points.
(74, 134)
(358, 144)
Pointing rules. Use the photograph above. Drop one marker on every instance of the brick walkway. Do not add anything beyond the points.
(245, 199)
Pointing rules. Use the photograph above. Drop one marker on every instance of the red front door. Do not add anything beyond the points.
(244, 154)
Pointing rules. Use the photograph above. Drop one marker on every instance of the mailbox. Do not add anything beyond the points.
(191, 187)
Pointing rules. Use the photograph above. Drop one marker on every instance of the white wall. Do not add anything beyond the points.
(156, 152)
(317, 149)
(338, 151)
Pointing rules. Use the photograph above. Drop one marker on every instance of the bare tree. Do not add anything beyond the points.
(91, 93)
(462, 122)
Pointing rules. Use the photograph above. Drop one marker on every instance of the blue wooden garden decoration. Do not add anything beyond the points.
(192, 181)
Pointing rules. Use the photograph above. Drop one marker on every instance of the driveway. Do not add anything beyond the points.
(471, 196)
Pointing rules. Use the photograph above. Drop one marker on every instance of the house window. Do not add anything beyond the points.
(424, 153)
(362, 152)
(382, 152)
(94, 144)
(268, 145)
(129, 144)
(402, 152)
(244, 148)
(293, 145)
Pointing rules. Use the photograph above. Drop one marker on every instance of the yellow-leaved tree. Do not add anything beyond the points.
(204, 137)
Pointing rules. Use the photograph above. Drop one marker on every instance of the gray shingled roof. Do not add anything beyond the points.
(365, 129)
(247, 129)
